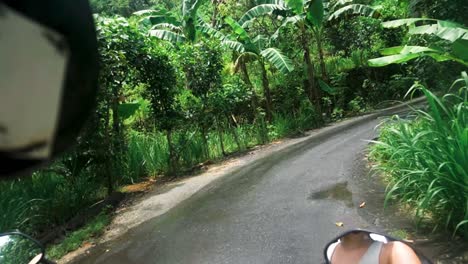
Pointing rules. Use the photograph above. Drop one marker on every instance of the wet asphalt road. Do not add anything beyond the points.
(281, 209)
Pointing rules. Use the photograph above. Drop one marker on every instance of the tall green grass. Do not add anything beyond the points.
(426, 160)
(45, 200)
(148, 152)
(51, 196)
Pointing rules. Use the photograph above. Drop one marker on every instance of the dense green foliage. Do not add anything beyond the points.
(184, 82)
(426, 159)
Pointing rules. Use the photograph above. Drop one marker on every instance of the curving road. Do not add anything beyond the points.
(280, 209)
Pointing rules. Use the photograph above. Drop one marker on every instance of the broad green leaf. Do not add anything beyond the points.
(392, 50)
(404, 22)
(258, 11)
(261, 41)
(280, 61)
(147, 12)
(416, 49)
(297, 6)
(326, 88)
(127, 110)
(341, 3)
(460, 49)
(273, 2)
(387, 60)
(356, 9)
(315, 12)
(409, 53)
(166, 26)
(190, 7)
(167, 35)
(447, 33)
(159, 19)
(238, 30)
(207, 29)
(234, 45)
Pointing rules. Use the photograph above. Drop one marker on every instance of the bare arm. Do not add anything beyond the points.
(401, 253)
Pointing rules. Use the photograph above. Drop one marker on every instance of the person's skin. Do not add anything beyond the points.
(398, 252)
(353, 247)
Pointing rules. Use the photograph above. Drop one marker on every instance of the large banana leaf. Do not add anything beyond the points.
(355, 9)
(326, 88)
(258, 11)
(341, 3)
(460, 49)
(273, 2)
(243, 59)
(160, 19)
(240, 32)
(190, 8)
(166, 26)
(280, 61)
(234, 45)
(157, 16)
(127, 110)
(448, 33)
(297, 6)
(207, 29)
(408, 53)
(404, 22)
(167, 35)
(147, 12)
(261, 41)
(315, 12)
(453, 32)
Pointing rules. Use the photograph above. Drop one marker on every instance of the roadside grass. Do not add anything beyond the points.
(75, 239)
(148, 152)
(51, 197)
(426, 160)
(400, 234)
(44, 200)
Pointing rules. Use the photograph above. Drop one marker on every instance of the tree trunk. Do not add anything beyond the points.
(220, 136)
(214, 17)
(206, 151)
(310, 86)
(323, 68)
(107, 151)
(246, 79)
(266, 91)
(171, 161)
(231, 121)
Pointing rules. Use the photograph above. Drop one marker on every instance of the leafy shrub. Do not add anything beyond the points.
(426, 159)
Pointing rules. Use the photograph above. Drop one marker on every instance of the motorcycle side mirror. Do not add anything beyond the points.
(17, 248)
(358, 243)
(48, 80)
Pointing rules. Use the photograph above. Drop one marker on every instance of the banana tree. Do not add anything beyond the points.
(255, 49)
(305, 15)
(456, 35)
(167, 27)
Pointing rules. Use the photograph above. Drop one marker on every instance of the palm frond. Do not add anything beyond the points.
(279, 60)
(355, 9)
(167, 35)
(258, 11)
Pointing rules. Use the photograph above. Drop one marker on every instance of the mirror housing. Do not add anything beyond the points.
(16, 247)
(44, 108)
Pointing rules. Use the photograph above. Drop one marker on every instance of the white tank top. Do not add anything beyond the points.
(372, 254)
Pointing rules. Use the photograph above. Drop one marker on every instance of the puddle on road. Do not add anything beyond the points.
(338, 192)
